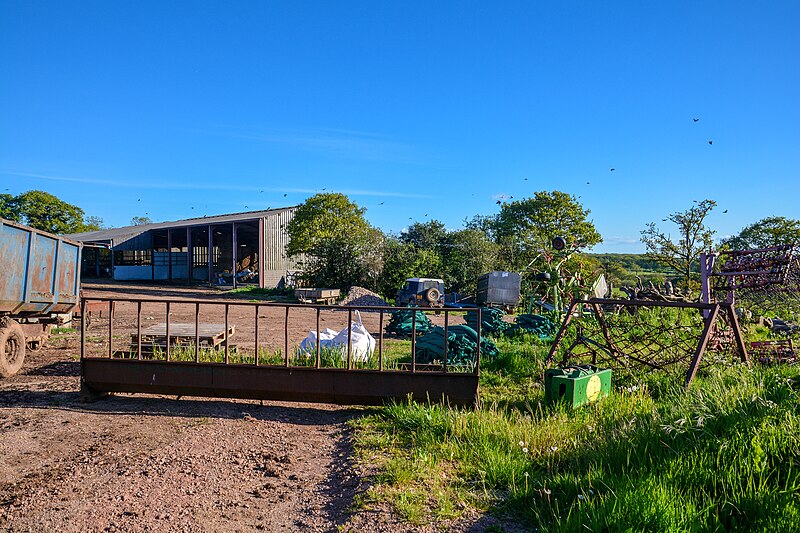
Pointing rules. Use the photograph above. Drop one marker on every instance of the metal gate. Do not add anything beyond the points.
(195, 358)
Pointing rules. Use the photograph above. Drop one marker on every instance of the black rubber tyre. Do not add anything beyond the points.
(433, 295)
(12, 348)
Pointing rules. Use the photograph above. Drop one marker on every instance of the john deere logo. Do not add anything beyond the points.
(593, 388)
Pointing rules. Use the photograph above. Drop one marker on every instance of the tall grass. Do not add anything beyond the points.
(721, 456)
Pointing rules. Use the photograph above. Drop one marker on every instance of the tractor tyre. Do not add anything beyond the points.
(12, 348)
(432, 295)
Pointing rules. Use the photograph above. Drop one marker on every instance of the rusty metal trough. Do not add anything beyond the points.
(135, 371)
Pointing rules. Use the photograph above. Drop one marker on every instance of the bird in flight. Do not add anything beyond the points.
(587, 183)
(498, 202)
(725, 211)
(695, 119)
(612, 170)
(526, 179)
(284, 195)
(380, 203)
(710, 142)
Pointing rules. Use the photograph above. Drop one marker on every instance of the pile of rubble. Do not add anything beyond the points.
(360, 297)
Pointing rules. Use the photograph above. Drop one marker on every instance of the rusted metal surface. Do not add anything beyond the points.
(659, 341)
(326, 385)
(126, 371)
(40, 271)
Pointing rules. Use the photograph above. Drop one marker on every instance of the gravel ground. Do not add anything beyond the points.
(154, 463)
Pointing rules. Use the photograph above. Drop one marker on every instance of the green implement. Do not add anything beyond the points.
(577, 385)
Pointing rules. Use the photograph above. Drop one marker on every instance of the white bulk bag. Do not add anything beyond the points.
(362, 344)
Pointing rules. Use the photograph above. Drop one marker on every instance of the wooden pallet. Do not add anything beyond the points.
(209, 335)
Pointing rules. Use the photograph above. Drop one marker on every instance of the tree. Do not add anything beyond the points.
(337, 247)
(9, 208)
(42, 210)
(468, 253)
(766, 233)
(402, 260)
(431, 235)
(93, 224)
(693, 238)
(141, 221)
(524, 229)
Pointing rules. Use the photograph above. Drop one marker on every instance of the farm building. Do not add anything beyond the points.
(234, 249)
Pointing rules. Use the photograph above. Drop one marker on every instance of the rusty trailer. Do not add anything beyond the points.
(264, 370)
(39, 281)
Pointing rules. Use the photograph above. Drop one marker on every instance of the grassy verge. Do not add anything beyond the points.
(721, 456)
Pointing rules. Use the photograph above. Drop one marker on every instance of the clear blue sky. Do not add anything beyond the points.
(416, 110)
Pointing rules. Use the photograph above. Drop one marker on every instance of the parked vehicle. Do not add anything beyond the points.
(39, 283)
(499, 289)
(423, 292)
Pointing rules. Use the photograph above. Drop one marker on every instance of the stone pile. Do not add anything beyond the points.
(360, 297)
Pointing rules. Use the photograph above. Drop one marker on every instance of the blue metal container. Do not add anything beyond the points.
(39, 272)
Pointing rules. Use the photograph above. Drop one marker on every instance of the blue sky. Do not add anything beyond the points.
(416, 110)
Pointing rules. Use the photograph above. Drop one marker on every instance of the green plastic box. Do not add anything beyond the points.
(577, 385)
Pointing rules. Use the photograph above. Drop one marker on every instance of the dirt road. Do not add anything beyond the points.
(155, 463)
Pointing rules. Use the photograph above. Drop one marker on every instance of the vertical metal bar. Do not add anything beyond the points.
(256, 335)
(705, 291)
(380, 342)
(561, 332)
(227, 343)
(110, 329)
(189, 256)
(318, 347)
(701, 346)
(83, 328)
(139, 330)
(261, 257)
(286, 336)
(413, 340)
(169, 260)
(737, 335)
(197, 333)
(446, 325)
(168, 343)
(478, 354)
(235, 246)
(349, 338)
(208, 256)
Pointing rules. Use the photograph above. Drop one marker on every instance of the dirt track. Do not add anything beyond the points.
(154, 463)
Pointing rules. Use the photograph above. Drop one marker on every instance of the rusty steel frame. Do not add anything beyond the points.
(259, 381)
(711, 312)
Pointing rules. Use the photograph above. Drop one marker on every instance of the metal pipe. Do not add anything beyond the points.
(196, 333)
(139, 330)
(110, 329)
(349, 338)
(83, 328)
(446, 324)
(286, 337)
(256, 335)
(319, 348)
(380, 341)
(413, 340)
(168, 313)
(234, 246)
(478, 355)
(227, 342)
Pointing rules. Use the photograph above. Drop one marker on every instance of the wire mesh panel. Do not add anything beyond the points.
(763, 282)
(634, 337)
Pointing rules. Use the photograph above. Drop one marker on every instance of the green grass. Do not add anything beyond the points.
(653, 456)
(62, 331)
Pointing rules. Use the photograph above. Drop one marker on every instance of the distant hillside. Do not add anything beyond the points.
(622, 269)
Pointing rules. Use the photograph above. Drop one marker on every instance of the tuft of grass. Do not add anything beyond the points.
(653, 456)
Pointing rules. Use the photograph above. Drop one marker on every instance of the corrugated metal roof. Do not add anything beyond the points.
(128, 232)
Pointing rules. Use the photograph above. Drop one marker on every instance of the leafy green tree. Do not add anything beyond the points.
(766, 233)
(42, 210)
(93, 224)
(524, 229)
(9, 208)
(681, 253)
(468, 254)
(402, 260)
(431, 235)
(141, 221)
(334, 243)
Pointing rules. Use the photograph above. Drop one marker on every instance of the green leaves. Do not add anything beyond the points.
(42, 210)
